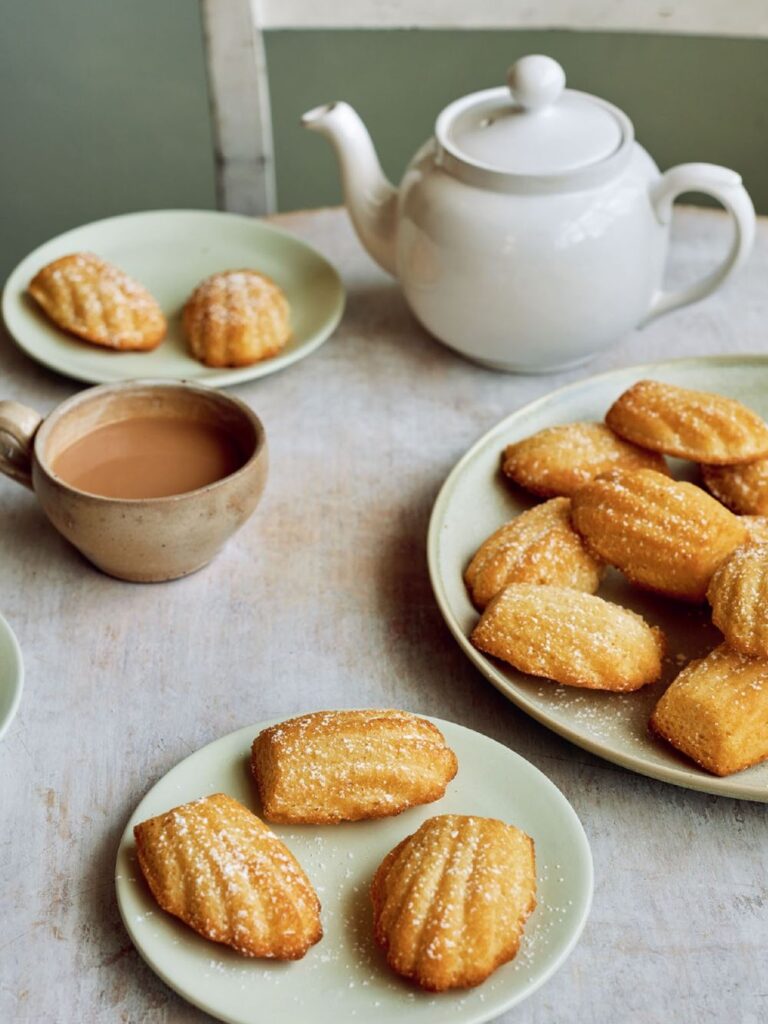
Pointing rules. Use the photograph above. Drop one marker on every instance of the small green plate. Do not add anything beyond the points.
(475, 500)
(345, 977)
(170, 252)
(11, 675)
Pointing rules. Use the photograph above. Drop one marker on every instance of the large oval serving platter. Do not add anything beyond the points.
(475, 500)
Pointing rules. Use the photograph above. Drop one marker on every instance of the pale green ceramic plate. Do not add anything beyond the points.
(475, 500)
(171, 251)
(344, 977)
(11, 675)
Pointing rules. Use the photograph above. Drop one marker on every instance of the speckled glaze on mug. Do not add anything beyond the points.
(146, 540)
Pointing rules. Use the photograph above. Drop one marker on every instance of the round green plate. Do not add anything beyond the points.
(11, 675)
(344, 977)
(475, 500)
(171, 251)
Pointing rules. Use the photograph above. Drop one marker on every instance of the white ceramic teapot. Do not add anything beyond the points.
(531, 232)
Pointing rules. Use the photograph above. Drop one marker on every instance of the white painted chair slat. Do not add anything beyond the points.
(700, 17)
(239, 88)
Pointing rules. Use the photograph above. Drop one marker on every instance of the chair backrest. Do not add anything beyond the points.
(237, 68)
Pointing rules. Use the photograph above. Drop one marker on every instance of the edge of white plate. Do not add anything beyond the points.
(441, 723)
(226, 377)
(18, 677)
(674, 776)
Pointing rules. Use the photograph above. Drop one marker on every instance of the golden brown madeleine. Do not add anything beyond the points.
(333, 766)
(694, 425)
(216, 866)
(98, 302)
(756, 527)
(236, 318)
(558, 460)
(538, 546)
(450, 901)
(738, 593)
(743, 488)
(571, 637)
(664, 535)
(716, 711)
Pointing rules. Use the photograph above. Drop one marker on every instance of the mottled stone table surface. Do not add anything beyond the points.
(323, 600)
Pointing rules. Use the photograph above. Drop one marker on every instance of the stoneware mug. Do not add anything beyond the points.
(144, 540)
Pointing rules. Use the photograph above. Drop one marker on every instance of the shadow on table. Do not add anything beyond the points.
(122, 971)
(378, 314)
(29, 544)
(432, 674)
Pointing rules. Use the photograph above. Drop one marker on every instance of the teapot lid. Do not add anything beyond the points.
(535, 128)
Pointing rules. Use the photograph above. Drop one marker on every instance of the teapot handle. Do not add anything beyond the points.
(726, 187)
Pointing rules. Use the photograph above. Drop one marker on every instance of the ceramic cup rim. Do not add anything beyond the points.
(51, 420)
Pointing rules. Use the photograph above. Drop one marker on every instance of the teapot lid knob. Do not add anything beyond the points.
(536, 81)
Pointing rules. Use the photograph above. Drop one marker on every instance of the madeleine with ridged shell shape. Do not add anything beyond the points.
(743, 488)
(538, 546)
(664, 535)
(756, 527)
(698, 425)
(332, 766)
(558, 460)
(450, 902)
(222, 871)
(98, 302)
(738, 593)
(236, 318)
(571, 637)
(716, 711)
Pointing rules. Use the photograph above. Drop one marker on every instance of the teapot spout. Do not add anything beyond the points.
(370, 197)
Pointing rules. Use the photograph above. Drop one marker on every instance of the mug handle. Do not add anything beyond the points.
(18, 426)
(726, 187)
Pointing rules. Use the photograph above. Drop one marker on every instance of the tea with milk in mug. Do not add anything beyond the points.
(149, 457)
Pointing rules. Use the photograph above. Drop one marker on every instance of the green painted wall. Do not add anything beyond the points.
(104, 104)
(104, 110)
(691, 98)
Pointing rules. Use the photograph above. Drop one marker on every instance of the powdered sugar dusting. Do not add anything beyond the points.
(346, 765)
(698, 425)
(346, 969)
(98, 301)
(558, 460)
(215, 865)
